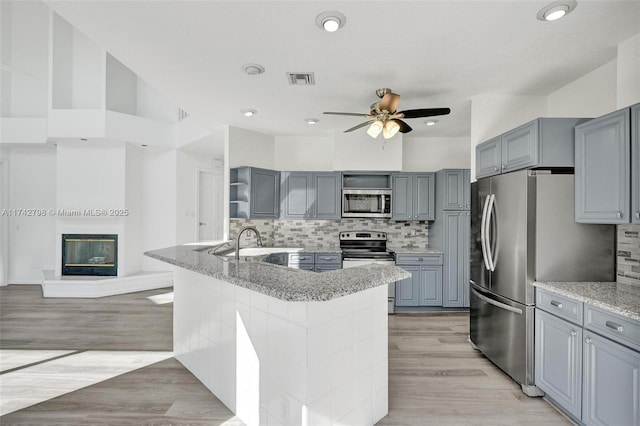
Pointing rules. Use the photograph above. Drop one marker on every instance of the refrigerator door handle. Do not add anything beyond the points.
(496, 303)
(483, 236)
(490, 242)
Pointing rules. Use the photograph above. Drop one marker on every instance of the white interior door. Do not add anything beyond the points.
(210, 199)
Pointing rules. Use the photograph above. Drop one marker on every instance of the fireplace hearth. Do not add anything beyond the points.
(90, 254)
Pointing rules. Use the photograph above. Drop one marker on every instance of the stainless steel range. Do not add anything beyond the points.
(366, 247)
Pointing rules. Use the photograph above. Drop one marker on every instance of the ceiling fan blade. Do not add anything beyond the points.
(389, 102)
(404, 127)
(424, 112)
(355, 114)
(359, 126)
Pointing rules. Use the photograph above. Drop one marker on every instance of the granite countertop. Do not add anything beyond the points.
(622, 299)
(414, 250)
(278, 281)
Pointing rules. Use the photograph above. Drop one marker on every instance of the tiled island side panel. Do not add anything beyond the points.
(628, 255)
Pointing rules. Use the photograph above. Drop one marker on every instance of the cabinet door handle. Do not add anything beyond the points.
(504, 166)
(495, 169)
(587, 340)
(556, 304)
(620, 215)
(615, 326)
(573, 333)
(420, 259)
(637, 215)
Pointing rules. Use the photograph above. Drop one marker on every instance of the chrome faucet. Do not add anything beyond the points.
(246, 228)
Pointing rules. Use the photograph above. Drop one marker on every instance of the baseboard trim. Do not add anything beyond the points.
(92, 287)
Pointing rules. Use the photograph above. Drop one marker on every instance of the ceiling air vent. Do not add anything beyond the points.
(301, 78)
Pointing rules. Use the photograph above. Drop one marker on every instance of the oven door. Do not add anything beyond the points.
(353, 262)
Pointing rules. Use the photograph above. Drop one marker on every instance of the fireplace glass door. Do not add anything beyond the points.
(89, 254)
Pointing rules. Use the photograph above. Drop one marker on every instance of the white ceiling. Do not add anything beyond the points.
(432, 53)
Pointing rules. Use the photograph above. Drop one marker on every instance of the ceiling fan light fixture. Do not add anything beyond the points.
(431, 122)
(556, 10)
(375, 129)
(331, 21)
(311, 120)
(390, 129)
(249, 112)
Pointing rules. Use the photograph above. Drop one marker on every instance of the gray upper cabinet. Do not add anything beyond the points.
(489, 158)
(413, 196)
(254, 193)
(543, 142)
(310, 195)
(603, 172)
(453, 189)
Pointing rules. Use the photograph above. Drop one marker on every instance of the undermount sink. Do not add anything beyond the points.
(259, 251)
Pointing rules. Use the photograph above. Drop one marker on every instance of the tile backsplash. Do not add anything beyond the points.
(309, 233)
(628, 253)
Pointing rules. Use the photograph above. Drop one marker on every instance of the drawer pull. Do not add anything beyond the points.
(327, 258)
(615, 326)
(587, 340)
(573, 333)
(556, 304)
(420, 259)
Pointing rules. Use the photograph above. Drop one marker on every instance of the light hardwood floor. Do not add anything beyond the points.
(435, 377)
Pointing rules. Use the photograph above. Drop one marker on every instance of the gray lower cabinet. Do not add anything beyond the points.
(587, 360)
(543, 142)
(558, 361)
(424, 287)
(610, 383)
(607, 168)
(413, 196)
(310, 195)
(254, 193)
(318, 262)
(456, 234)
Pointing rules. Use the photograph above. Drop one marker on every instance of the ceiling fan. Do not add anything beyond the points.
(384, 117)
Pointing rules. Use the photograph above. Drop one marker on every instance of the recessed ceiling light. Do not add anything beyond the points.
(431, 122)
(331, 20)
(311, 120)
(556, 10)
(249, 112)
(83, 139)
(253, 69)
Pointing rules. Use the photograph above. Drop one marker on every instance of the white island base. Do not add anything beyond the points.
(274, 362)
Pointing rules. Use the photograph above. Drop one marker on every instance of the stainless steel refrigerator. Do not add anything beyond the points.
(523, 230)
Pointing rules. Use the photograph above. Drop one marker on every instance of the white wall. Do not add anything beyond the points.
(248, 148)
(628, 72)
(591, 95)
(133, 232)
(24, 50)
(359, 151)
(432, 154)
(32, 185)
(492, 115)
(151, 104)
(91, 175)
(121, 87)
(304, 153)
(159, 203)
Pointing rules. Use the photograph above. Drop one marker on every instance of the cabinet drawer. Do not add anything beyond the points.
(328, 257)
(561, 306)
(615, 327)
(300, 258)
(323, 267)
(419, 259)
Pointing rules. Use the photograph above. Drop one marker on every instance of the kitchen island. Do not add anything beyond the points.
(279, 345)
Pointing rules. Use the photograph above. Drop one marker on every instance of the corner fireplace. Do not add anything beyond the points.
(93, 254)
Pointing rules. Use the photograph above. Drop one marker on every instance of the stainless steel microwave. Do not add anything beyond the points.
(366, 203)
